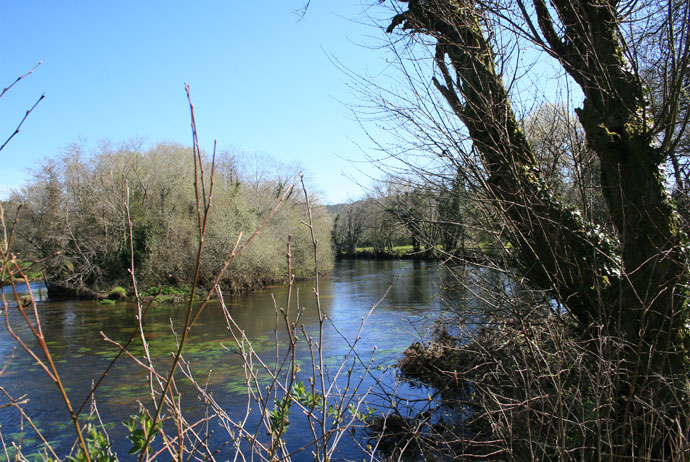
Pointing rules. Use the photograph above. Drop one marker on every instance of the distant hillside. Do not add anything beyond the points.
(335, 209)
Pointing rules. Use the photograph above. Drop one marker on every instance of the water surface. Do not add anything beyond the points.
(74, 331)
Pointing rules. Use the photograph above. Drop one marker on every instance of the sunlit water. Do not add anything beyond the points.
(408, 293)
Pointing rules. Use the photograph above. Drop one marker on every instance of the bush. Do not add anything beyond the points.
(527, 389)
(118, 294)
(164, 238)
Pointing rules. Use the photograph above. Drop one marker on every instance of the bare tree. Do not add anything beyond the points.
(629, 283)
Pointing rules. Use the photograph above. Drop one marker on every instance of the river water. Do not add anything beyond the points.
(74, 331)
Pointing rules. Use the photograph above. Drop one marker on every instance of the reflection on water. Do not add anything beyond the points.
(74, 331)
(38, 290)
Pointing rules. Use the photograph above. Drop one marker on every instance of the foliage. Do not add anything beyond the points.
(76, 224)
(118, 293)
(279, 416)
(167, 290)
(140, 426)
(396, 251)
(98, 447)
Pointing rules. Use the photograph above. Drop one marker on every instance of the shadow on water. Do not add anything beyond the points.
(74, 331)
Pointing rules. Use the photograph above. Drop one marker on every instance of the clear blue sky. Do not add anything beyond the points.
(261, 79)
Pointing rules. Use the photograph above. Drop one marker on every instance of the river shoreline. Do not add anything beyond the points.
(470, 256)
(173, 294)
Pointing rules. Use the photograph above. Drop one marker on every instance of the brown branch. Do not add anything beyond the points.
(6, 89)
(16, 130)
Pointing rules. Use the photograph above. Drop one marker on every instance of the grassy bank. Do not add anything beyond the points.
(407, 252)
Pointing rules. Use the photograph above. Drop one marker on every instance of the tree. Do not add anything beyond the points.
(629, 283)
(453, 220)
(570, 169)
(77, 224)
(348, 228)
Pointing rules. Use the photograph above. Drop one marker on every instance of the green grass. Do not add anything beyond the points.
(171, 294)
(121, 291)
(403, 249)
(398, 250)
(168, 290)
(33, 271)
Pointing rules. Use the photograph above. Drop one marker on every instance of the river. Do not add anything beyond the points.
(74, 332)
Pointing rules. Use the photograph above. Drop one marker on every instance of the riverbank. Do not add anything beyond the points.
(406, 252)
(402, 252)
(163, 294)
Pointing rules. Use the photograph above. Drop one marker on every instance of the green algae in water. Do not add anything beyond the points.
(210, 347)
(237, 387)
(128, 391)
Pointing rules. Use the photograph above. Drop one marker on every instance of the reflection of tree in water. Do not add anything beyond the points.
(256, 312)
(419, 288)
(408, 283)
(478, 293)
(53, 322)
(69, 324)
(474, 296)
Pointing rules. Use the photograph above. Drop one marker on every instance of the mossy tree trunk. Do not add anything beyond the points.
(631, 284)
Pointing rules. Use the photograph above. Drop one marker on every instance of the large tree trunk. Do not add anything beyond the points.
(633, 284)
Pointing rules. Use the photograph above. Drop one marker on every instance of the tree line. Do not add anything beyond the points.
(429, 222)
(73, 220)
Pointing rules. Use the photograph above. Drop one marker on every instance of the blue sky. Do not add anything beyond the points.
(262, 80)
